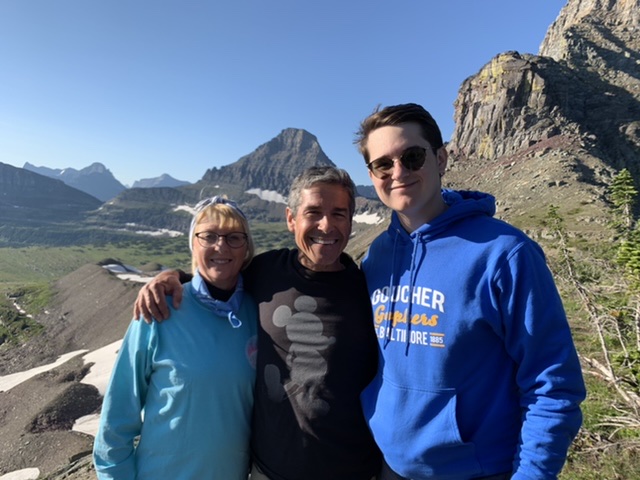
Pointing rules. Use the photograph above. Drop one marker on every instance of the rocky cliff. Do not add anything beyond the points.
(555, 127)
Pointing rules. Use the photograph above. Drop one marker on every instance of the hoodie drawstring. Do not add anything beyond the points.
(391, 305)
(413, 273)
(393, 298)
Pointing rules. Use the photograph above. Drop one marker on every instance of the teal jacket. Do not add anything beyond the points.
(192, 379)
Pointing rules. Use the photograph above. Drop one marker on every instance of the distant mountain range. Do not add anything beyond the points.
(102, 209)
(163, 180)
(279, 155)
(98, 181)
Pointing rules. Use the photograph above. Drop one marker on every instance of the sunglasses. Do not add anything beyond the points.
(412, 158)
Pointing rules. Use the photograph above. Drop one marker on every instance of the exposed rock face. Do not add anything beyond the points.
(557, 126)
(250, 181)
(270, 167)
(595, 28)
(600, 39)
(273, 165)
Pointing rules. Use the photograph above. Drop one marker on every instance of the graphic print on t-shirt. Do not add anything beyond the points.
(306, 365)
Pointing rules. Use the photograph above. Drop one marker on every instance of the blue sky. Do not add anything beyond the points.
(148, 87)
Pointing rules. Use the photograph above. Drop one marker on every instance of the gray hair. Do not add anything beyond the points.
(326, 175)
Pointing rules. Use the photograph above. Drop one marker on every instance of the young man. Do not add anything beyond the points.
(316, 348)
(478, 375)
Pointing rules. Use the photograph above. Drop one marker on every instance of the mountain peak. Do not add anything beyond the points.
(274, 164)
(96, 167)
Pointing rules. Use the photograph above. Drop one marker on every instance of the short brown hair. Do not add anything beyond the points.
(397, 115)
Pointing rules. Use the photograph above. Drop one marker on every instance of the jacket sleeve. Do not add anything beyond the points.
(121, 417)
(549, 376)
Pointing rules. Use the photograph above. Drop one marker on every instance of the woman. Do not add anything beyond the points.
(191, 377)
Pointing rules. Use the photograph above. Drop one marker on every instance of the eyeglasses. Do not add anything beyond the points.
(412, 158)
(210, 239)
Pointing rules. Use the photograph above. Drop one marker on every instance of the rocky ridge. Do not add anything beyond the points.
(31, 199)
(258, 182)
(554, 127)
(91, 309)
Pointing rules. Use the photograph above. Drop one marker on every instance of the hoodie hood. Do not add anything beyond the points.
(462, 204)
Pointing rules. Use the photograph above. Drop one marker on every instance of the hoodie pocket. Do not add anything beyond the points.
(417, 431)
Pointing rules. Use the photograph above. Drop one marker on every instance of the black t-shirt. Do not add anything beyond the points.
(316, 352)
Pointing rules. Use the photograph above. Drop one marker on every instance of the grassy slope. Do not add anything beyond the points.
(35, 264)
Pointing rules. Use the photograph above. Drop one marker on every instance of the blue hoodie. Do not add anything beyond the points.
(485, 378)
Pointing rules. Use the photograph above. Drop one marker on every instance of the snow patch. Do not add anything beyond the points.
(126, 272)
(268, 195)
(99, 374)
(24, 474)
(119, 268)
(7, 382)
(163, 232)
(368, 218)
(103, 360)
(134, 278)
(20, 310)
(185, 208)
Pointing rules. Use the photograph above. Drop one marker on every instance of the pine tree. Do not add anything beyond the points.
(628, 256)
(623, 195)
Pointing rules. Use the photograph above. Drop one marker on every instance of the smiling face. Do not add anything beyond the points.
(321, 226)
(219, 264)
(414, 195)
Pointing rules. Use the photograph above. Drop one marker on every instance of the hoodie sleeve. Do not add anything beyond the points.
(549, 376)
(121, 417)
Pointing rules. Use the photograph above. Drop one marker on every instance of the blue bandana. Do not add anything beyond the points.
(226, 309)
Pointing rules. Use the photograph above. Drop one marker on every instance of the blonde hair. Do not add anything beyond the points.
(225, 216)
